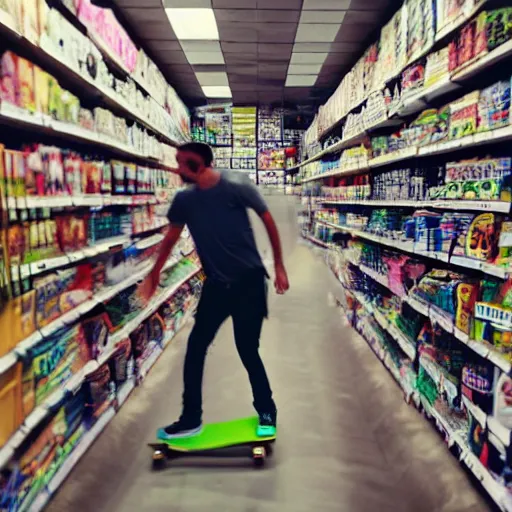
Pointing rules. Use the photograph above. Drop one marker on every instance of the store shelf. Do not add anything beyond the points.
(408, 246)
(12, 115)
(95, 249)
(155, 304)
(42, 411)
(316, 241)
(489, 206)
(459, 21)
(484, 350)
(8, 360)
(46, 53)
(416, 103)
(337, 172)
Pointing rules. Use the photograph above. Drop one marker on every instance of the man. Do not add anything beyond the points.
(215, 211)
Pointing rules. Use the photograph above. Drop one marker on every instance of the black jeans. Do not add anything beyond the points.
(246, 302)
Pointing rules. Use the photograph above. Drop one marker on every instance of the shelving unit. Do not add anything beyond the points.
(84, 191)
(380, 200)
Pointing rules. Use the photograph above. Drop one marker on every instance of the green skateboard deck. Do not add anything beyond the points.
(215, 436)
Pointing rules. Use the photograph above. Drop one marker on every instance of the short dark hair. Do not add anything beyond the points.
(201, 149)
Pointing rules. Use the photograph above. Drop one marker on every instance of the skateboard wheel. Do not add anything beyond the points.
(158, 455)
(258, 455)
(158, 459)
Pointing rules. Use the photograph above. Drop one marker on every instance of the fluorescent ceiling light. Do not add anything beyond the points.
(312, 47)
(300, 80)
(217, 91)
(216, 78)
(308, 58)
(205, 57)
(201, 46)
(304, 69)
(322, 16)
(193, 24)
(316, 33)
(326, 5)
(187, 3)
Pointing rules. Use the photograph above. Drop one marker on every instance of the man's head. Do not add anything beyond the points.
(194, 158)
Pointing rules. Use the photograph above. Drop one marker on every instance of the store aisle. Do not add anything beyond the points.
(347, 440)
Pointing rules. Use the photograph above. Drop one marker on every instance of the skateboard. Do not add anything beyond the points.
(215, 436)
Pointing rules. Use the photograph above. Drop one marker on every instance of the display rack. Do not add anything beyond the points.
(93, 127)
(407, 184)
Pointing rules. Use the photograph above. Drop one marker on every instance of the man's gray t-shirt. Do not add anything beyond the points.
(219, 223)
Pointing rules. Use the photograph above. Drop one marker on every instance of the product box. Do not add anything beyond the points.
(10, 402)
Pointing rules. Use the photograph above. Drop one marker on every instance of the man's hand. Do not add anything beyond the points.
(281, 282)
(148, 287)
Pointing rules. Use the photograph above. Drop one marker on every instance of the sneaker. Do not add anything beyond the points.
(180, 428)
(267, 425)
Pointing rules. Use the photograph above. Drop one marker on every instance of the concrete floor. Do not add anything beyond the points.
(347, 440)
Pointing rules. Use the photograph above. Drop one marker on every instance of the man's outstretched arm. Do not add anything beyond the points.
(281, 281)
(150, 284)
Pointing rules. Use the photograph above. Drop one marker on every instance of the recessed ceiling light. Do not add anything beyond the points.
(327, 5)
(217, 78)
(308, 58)
(217, 91)
(300, 80)
(304, 69)
(193, 24)
(316, 33)
(205, 57)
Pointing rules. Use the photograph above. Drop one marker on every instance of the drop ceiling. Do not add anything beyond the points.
(268, 52)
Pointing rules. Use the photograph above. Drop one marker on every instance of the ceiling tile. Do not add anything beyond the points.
(158, 30)
(235, 78)
(234, 59)
(173, 58)
(236, 15)
(188, 3)
(316, 33)
(243, 35)
(273, 58)
(281, 49)
(362, 16)
(205, 57)
(353, 33)
(312, 47)
(300, 80)
(322, 16)
(270, 88)
(212, 78)
(326, 5)
(144, 14)
(304, 69)
(163, 46)
(336, 59)
(346, 47)
(208, 68)
(201, 46)
(137, 3)
(243, 48)
(177, 68)
(272, 68)
(242, 70)
(280, 4)
(234, 4)
(245, 98)
(241, 87)
(308, 58)
(371, 5)
(333, 69)
(275, 16)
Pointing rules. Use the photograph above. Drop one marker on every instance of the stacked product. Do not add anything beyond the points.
(418, 233)
(92, 126)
